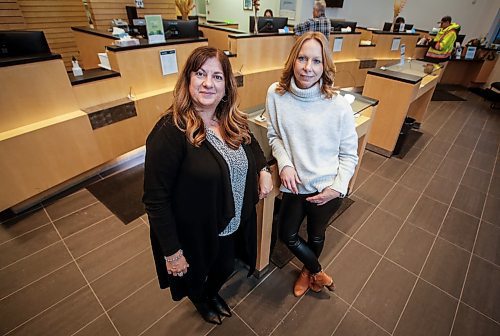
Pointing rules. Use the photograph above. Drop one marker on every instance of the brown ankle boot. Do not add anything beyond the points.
(322, 279)
(302, 283)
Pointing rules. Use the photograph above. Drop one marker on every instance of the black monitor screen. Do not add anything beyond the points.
(190, 17)
(335, 3)
(268, 24)
(131, 13)
(387, 27)
(23, 43)
(180, 28)
(338, 25)
(460, 38)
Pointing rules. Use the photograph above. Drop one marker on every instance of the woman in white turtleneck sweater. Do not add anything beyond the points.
(312, 134)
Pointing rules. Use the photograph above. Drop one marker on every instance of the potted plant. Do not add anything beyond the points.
(184, 6)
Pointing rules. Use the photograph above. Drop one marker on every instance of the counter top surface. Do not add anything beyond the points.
(336, 32)
(145, 44)
(396, 75)
(92, 75)
(252, 35)
(9, 61)
(222, 28)
(96, 32)
(382, 32)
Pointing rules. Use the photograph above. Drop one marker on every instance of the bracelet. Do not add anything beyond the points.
(177, 257)
(266, 169)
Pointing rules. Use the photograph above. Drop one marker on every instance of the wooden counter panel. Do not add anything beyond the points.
(254, 91)
(141, 68)
(216, 38)
(100, 92)
(33, 92)
(384, 43)
(394, 100)
(485, 71)
(350, 45)
(348, 74)
(46, 157)
(460, 73)
(258, 53)
(366, 35)
(152, 108)
(365, 52)
(419, 52)
(42, 158)
(88, 46)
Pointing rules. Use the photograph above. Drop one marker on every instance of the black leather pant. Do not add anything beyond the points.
(292, 212)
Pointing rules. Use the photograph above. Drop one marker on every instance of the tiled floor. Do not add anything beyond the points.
(418, 253)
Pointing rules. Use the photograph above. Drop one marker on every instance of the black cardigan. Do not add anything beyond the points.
(188, 199)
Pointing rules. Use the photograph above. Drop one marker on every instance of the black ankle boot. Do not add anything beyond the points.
(219, 305)
(208, 314)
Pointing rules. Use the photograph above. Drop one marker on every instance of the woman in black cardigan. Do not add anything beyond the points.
(204, 173)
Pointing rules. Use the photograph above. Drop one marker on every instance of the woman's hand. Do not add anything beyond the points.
(177, 264)
(324, 197)
(265, 184)
(289, 178)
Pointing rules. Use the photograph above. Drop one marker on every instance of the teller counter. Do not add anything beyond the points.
(404, 90)
(56, 131)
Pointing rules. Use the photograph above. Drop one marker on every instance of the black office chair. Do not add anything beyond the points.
(492, 94)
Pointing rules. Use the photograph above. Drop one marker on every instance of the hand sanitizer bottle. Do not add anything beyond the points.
(77, 71)
(458, 51)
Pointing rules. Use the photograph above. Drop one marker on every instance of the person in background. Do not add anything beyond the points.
(204, 173)
(319, 22)
(441, 46)
(311, 131)
(397, 23)
(268, 13)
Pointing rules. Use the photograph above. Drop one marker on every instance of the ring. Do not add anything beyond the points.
(180, 274)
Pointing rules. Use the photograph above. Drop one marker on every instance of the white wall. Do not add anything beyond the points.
(475, 16)
(224, 10)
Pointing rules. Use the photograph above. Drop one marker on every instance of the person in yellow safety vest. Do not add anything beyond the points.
(441, 46)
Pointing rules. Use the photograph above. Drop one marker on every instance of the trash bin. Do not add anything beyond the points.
(403, 135)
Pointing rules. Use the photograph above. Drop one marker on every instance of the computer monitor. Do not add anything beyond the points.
(190, 17)
(460, 38)
(335, 3)
(387, 27)
(338, 25)
(16, 43)
(131, 14)
(180, 28)
(268, 24)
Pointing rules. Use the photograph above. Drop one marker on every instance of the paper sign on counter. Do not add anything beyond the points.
(337, 44)
(168, 61)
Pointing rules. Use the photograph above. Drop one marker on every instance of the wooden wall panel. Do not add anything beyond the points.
(55, 18)
(11, 16)
(103, 11)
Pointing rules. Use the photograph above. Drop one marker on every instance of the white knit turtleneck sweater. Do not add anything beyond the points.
(315, 135)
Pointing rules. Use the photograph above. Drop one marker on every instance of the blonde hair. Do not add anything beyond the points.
(233, 123)
(329, 70)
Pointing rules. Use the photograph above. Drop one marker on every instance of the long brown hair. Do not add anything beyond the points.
(329, 70)
(233, 123)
